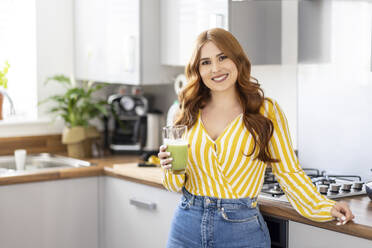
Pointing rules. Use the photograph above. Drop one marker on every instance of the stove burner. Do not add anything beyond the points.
(276, 190)
(358, 185)
(323, 189)
(346, 186)
(335, 187)
(273, 189)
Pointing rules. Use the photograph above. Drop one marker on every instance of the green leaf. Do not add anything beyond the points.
(60, 79)
(76, 106)
(3, 79)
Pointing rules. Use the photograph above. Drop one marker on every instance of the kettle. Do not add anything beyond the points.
(154, 124)
(179, 83)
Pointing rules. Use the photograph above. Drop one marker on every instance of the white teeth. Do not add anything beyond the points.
(219, 78)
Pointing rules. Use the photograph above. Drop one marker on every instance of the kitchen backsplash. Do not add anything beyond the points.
(164, 96)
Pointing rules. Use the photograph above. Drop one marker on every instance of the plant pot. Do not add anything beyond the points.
(79, 141)
(74, 139)
(77, 150)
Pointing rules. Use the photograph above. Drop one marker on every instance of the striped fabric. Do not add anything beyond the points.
(220, 169)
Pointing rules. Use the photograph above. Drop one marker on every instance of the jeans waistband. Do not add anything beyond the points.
(207, 201)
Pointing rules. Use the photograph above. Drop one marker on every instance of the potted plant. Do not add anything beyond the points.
(4, 85)
(77, 107)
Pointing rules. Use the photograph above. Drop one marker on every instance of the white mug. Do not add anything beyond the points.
(20, 158)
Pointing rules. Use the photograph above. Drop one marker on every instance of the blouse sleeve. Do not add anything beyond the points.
(299, 189)
(172, 182)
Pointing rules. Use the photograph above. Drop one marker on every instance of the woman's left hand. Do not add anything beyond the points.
(342, 212)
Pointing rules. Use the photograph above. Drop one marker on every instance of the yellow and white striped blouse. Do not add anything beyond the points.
(220, 169)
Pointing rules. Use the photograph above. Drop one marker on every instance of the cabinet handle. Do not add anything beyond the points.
(142, 204)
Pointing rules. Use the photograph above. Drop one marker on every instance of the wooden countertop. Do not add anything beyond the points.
(125, 167)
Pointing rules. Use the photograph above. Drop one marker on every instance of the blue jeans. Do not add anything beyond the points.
(206, 222)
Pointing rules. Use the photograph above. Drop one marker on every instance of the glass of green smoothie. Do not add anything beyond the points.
(175, 137)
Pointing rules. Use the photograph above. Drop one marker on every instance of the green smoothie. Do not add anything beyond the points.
(179, 154)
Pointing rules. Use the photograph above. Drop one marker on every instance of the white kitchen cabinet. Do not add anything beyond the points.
(258, 25)
(306, 236)
(128, 225)
(182, 21)
(118, 41)
(58, 214)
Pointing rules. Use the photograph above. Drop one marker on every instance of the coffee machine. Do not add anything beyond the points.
(132, 127)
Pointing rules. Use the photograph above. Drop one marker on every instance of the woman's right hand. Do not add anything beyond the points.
(165, 158)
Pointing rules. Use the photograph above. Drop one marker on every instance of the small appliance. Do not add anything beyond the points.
(179, 83)
(131, 126)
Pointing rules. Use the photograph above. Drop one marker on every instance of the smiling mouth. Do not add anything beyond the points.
(220, 78)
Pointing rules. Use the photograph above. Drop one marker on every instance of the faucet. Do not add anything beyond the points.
(12, 110)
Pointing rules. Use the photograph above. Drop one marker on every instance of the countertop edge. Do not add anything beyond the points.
(108, 171)
(57, 174)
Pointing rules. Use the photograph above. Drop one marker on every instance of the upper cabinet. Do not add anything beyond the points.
(260, 26)
(257, 26)
(118, 41)
(314, 31)
(182, 21)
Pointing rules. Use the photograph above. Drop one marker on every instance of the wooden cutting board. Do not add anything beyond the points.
(153, 174)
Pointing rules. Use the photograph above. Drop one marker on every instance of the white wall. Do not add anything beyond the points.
(279, 82)
(335, 113)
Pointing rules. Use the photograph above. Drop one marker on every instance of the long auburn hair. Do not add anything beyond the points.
(196, 95)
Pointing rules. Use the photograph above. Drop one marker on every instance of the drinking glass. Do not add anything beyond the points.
(175, 137)
(20, 158)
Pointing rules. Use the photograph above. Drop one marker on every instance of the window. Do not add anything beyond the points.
(18, 47)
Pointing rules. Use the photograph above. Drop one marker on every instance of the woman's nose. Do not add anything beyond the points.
(215, 66)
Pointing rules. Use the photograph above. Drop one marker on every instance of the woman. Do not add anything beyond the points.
(234, 133)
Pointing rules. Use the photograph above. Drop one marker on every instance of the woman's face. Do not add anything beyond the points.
(218, 72)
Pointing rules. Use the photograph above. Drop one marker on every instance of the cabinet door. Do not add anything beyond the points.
(89, 39)
(107, 40)
(135, 224)
(305, 236)
(122, 41)
(182, 21)
(60, 214)
(258, 27)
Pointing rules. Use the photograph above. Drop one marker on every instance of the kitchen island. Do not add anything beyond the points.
(123, 168)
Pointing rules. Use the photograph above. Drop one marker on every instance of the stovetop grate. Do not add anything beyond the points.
(271, 188)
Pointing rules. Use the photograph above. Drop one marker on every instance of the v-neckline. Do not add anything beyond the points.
(224, 130)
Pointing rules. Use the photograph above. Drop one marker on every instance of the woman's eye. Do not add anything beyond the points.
(222, 57)
(205, 62)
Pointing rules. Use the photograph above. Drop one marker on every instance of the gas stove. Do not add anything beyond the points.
(332, 186)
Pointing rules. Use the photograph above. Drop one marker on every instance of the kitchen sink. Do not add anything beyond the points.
(41, 161)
